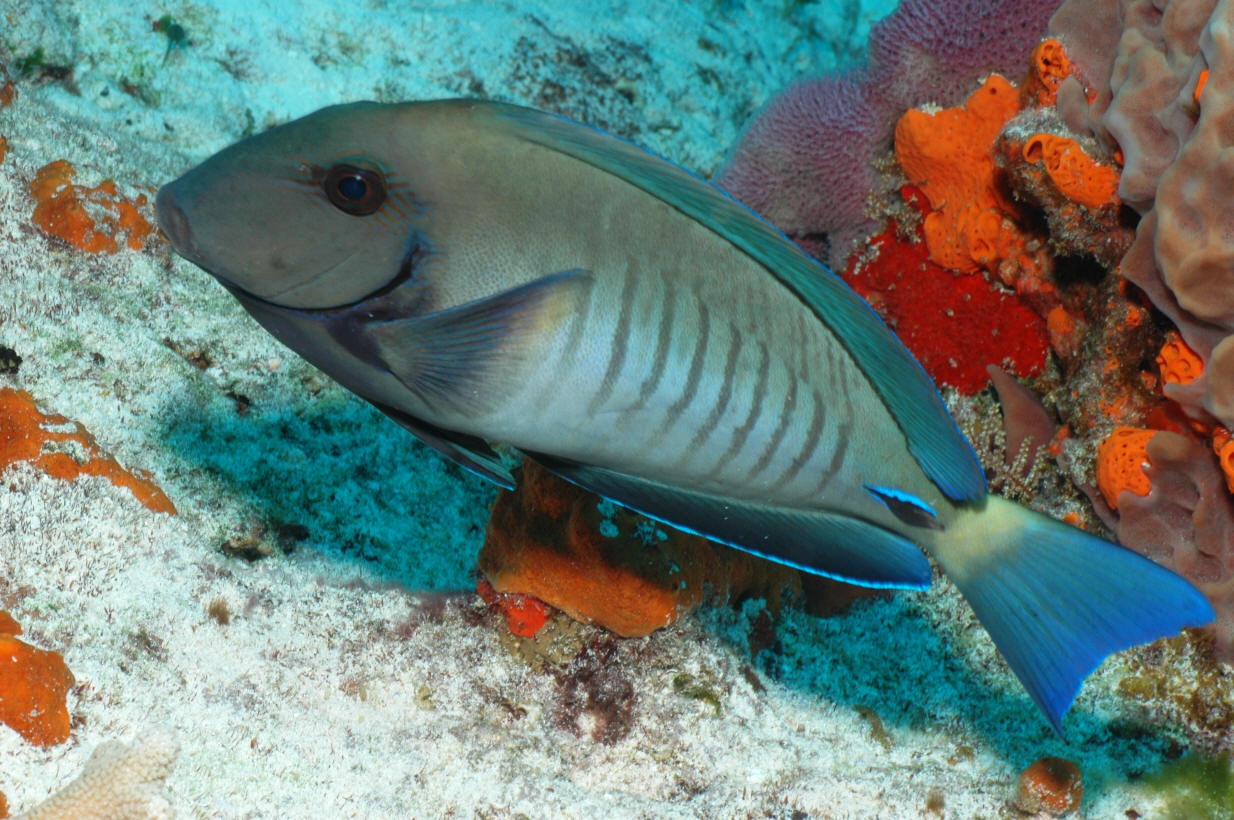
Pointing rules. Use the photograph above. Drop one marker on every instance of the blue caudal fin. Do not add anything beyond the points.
(1057, 600)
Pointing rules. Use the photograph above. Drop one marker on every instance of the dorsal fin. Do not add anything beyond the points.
(933, 438)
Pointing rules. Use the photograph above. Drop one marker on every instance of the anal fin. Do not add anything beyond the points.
(469, 452)
(825, 543)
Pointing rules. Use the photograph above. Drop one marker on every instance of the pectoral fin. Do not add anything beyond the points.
(825, 543)
(457, 358)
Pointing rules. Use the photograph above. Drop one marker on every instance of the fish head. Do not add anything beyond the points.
(310, 215)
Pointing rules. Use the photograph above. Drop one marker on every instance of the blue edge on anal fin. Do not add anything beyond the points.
(835, 545)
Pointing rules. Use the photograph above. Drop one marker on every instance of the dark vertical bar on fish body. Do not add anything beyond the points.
(777, 437)
(808, 446)
(725, 395)
(739, 437)
(617, 345)
(697, 359)
(664, 338)
(839, 414)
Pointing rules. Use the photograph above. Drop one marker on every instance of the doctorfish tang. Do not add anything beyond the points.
(484, 272)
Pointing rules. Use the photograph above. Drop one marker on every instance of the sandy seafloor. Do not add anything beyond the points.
(359, 676)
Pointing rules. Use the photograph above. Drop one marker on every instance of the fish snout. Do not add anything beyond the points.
(174, 223)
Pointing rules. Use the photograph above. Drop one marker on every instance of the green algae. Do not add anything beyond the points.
(1195, 788)
(700, 689)
(32, 62)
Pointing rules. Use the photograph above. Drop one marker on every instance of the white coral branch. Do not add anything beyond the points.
(119, 782)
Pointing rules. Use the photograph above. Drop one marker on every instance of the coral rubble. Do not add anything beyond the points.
(119, 782)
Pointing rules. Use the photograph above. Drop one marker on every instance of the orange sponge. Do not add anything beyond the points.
(1049, 65)
(1052, 786)
(1121, 459)
(1200, 82)
(88, 218)
(1077, 176)
(1179, 364)
(948, 155)
(525, 616)
(33, 686)
(603, 564)
(24, 435)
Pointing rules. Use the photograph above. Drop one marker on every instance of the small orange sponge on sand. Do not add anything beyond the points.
(88, 218)
(33, 686)
(25, 434)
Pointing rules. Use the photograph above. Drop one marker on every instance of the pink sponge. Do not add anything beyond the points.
(805, 161)
(936, 51)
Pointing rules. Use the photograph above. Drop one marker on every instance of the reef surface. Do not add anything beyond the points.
(299, 615)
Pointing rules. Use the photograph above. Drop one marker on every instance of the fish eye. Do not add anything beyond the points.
(353, 190)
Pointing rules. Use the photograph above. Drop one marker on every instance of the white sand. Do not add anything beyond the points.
(359, 677)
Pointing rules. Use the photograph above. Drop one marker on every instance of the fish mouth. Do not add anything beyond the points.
(179, 231)
(371, 303)
(174, 224)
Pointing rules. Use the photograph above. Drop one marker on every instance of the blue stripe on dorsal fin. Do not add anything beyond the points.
(819, 541)
(909, 395)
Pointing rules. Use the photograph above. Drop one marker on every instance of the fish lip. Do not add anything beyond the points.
(174, 224)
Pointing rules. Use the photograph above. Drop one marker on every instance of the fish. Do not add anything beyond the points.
(486, 273)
